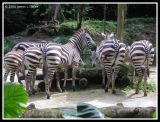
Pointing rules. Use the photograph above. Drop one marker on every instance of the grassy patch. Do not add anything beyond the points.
(150, 86)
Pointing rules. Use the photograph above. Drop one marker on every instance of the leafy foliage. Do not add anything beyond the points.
(14, 18)
(15, 99)
(8, 44)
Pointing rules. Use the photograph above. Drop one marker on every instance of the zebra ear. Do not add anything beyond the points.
(85, 30)
(111, 35)
(103, 35)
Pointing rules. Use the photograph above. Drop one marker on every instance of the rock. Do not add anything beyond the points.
(43, 113)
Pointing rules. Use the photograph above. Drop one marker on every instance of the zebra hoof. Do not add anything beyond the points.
(29, 93)
(64, 89)
(48, 96)
(34, 91)
(145, 94)
(113, 91)
(60, 90)
(20, 82)
(136, 92)
(106, 90)
(74, 89)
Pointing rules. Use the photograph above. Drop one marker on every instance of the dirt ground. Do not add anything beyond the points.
(97, 97)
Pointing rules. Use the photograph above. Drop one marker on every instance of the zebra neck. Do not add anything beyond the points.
(70, 47)
(77, 44)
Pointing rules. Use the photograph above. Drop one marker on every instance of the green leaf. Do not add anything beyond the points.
(154, 115)
(15, 97)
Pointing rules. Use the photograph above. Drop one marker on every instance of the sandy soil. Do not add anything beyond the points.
(97, 97)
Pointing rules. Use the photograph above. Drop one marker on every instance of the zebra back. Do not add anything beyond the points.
(141, 53)
(13, 60)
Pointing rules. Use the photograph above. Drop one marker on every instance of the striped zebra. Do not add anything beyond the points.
(32, 59)
(141, 55)
(75, 63)
(22, 46)
(13, 64)
(13, 59)
(111, 54)
(57, 56)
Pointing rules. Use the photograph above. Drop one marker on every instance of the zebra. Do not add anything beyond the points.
(111, 54)
(22, 46)
(75, 63)
(13, 59)
(141, 56)
(13, 63)
(57, 56)
(32, 59)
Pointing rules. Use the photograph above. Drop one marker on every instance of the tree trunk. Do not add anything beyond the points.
(57, 8)
(104, 18)
(120, 20)
(79, 16)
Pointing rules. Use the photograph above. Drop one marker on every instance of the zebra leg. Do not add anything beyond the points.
(33, 82)
(47, 88)
(114, 76)
(65, 78)
(145, 83)
(17, 72)
(103, 77)
(139, 81)
(28, 81)
(6, 75)
(74, 69)
(109, 72)
(12, 76)
(58, 81)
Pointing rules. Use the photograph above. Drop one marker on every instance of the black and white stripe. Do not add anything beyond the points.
(141, 55)
(32, 59)
(13, 64)
(111, 54)
(57, 56)
(22, 46)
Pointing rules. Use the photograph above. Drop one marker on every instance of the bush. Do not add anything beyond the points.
(15, 99)
(67, 28)
(8, 44)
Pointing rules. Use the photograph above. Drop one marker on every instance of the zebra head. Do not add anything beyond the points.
(94, 58)
(87, 40)
(107, 36)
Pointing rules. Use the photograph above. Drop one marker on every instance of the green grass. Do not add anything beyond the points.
(63, 39)
(150, 86)
(132, 29)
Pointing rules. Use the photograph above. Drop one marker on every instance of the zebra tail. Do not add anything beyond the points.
(44, 65)
(147, 63)
(23, 67)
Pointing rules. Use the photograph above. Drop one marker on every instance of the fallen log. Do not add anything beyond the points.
(33, 112)
(120, 111)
